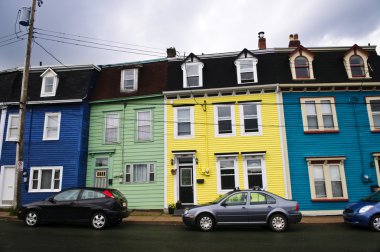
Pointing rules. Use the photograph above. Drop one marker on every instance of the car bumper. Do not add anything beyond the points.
(114, 216)
(295, 217)
(356, 219)
(189, 220)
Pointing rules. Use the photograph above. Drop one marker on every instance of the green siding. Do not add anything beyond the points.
(129, 151)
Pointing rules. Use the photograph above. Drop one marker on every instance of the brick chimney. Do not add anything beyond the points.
(293, 40)
(171, 52)
(262, 41)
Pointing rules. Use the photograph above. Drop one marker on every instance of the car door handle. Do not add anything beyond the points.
(269, 207)
(243, 207)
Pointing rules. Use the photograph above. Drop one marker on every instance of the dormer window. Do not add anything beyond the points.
(49, 83)
(355, 62)
(129, 80)
(246, 67)
(302, 67)
(301, 64)
(192, 72)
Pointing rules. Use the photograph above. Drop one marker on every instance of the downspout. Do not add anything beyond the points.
(123, 140)
(2, 125)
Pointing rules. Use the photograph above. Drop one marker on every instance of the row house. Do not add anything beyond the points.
(331, 101)
(126, 142)
(223, 126)
(56, 130)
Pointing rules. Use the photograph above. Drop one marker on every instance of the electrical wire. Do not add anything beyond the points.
(43, 48)
(12, 42)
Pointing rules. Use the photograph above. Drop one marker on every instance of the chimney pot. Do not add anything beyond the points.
(293, 40)
(291, 37)
(171, 52)
(262, 41)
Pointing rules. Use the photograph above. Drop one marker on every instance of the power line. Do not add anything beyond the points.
(13, 38)
(43, 48)
(116, 42)
(94, 47)
(12, 42)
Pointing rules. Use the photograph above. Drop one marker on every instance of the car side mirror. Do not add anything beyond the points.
(51, 200)
(224, 204)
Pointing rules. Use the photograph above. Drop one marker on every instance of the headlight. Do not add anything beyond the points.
(186, 211)
(365, 209)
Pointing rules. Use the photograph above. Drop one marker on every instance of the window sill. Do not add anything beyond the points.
(303, 79)
(375, 131)
(329, 200)
(321, 131)
(359, 78)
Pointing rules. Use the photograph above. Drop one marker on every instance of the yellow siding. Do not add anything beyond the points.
(206, 144)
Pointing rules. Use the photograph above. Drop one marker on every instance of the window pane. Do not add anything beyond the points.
(192, 70)
(255, 180)
(15, 121)
(46, 176)
(99, 162)
(57, 174)
(328, 121)
(183, 115)
(193, 81)
(312, 122)
(227, 164)
(224, 112)
(144, 126)
(320, 189)
(375, 105)
(251, 125)
(246, 76)
(326, 107)
(228, 182)
(186, 177)
(250, 110)
(258, 198)
(140, 173)
(376, 121)
(225, 127)
(237, 199)
(67, 195)
(184, 129)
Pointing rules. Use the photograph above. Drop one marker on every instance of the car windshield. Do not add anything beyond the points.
(220, 198)
(374, 197)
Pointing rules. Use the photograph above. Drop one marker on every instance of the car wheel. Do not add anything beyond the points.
(32, 218)
(375, 223)
(99, 220)
(278, 223)
(205, 222)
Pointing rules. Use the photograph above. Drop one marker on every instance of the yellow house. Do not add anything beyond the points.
(220, 139)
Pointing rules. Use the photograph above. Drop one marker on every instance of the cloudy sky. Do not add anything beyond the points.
(145, 28)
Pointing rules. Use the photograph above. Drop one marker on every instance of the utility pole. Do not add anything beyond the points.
(23, 99)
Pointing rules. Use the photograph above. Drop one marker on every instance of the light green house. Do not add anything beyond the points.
(126, 141)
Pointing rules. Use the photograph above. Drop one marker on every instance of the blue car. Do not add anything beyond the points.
(364, 213)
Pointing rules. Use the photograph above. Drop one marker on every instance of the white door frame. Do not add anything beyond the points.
(176, 177)
(2, 182)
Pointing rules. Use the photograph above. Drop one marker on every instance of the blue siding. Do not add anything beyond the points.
(70, 151)
(355, 141)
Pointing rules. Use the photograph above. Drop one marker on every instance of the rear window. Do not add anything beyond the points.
(90, 194)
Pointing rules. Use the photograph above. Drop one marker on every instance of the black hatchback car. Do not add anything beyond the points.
(96, 206)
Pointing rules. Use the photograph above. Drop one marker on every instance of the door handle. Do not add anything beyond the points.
(269, 207)
(243, 207)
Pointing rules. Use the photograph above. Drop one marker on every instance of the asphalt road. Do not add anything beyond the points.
(15, 237)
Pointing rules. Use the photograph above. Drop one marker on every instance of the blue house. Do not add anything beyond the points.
(331, 103)
(56, 130)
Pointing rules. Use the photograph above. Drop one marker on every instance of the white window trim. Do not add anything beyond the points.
(137, 126)
(319, 114)
(259, 120)
(32, 169)
(8, 137)
(327, 177)
(370, 113)
(233, 121)
(263, 169)
(131, 173)
(105, 127)
(254, 68)
(236, 174)
(310, 59)
(45, 138)
(347, 65)
(192, 133)
(135, 80)
(49, 73)
(200, 71)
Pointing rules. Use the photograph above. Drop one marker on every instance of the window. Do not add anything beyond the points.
(327, 179)
(111, 128)
(318, 114)
(224, 120)
(246, 70)
(49, 83)
(255, 171)
(192, 74)
(301, 64)
(140, 173)
(227, 174)
(52, 126)
(357, 66)
(302, 67)
(373, 107)
(144, 126)
(68, 195)
(184, 122)
(259, 198)
(250, 118)
(129, 80)
(236, 199)
(45, 179)
(355, 63)
(12, 130)
(91, 194)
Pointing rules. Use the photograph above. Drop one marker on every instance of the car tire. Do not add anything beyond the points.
(206, 222)
(278, 223)
(99, 220)
(32, 218)
(375, 223)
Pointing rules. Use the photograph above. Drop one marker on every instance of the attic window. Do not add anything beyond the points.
(355, 62)
(357, 66)
(192, 72)
(246, 67)
(302, 67)
(129, 79)
(301, 64)
(49, 83)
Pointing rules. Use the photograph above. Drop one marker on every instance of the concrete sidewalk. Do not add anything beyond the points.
(158, 217)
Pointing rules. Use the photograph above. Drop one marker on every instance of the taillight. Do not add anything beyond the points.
(108, 194)
(297, 207)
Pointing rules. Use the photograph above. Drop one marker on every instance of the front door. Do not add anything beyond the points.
(7, 180)
(186, 187)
